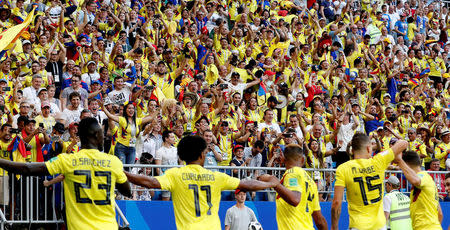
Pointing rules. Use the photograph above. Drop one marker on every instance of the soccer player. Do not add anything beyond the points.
(363, 176)
(195, 190)
(297, 196)
(90, 178)
(425, 210)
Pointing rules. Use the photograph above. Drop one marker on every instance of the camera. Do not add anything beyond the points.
(223, 86)
(15, 131)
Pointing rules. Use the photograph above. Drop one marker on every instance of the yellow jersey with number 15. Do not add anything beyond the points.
(196, 195)
(89, 183)
(424, 204)
(364, 180)
(290, 217)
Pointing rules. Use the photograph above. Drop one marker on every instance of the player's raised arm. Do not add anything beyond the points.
(144, 181)
(399, 147)
(28, 169)
(406, 163)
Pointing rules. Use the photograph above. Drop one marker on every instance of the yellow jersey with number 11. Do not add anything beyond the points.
(196, 194)
(290, 217)
(364, 180)
(89, 183)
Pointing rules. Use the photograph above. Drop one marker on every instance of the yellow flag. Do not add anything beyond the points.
(10, 36)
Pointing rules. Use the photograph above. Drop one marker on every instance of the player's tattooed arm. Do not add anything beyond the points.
(291, 197)
(28, 169)
(144, 181)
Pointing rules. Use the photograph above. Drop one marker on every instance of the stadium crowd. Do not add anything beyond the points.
(248, 76)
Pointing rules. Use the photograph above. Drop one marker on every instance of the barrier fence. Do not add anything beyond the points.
(25, 201)
(324, 179)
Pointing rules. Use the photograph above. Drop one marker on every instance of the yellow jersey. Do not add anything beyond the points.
(90, 179)
(424, 204)
(441, 151)
(126, 136)
(290, 217)
(196, 195)
(364, 179)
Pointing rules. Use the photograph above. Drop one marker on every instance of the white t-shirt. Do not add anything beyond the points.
(168, 156)
(345, 135)
(30, 96)
(238, 218)
(272, 126)
(237, 88)
(72, 115)
(120, 96)
(87, 77)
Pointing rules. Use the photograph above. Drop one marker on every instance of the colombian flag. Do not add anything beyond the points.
(425, 71)
(9, 37)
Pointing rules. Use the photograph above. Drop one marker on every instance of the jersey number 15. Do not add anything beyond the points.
(370, 187)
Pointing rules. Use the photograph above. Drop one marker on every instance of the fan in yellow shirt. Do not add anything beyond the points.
(363, 178)
(297, 196)
(196, 191)
(90, 179)
(425, 210)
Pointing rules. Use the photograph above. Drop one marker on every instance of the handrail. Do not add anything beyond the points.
(122, 216)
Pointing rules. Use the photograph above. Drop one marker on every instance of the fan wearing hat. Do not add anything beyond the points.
(25, 58)
(36, 138)
(45, 117)
(442, 150)
(91, 75)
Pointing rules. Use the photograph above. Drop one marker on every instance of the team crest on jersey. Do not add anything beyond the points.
(53, 159)
(293, 182)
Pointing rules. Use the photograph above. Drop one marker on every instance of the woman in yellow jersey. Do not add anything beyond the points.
(129, 128)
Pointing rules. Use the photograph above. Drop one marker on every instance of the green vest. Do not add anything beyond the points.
(399, 217)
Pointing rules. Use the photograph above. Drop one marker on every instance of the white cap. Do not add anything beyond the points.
(393, 180)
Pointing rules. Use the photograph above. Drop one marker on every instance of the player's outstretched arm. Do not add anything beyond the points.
(27, 169)
(144, 181)
(291, 197)
(124, 189)
(336, 207)
(319, 220)
(254, 185)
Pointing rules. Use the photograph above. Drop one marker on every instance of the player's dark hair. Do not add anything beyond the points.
(191, 148)
(411, 158)
(359, 141)
(447, 176)
(293, 151)
(88, 129)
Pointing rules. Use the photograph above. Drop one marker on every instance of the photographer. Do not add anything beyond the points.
(36, 138)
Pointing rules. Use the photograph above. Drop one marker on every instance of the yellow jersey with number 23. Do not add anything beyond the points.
(196, 195)
(89, 183)
(364, 180)
(290, 217)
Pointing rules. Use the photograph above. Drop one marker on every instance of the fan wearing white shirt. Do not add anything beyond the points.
(121, 92)
(73, 111)
(30, 93)
(272, 127)
(236, 86)
(92, 73)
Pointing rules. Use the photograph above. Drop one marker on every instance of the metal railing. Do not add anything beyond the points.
(324, 178)
(25, 201)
